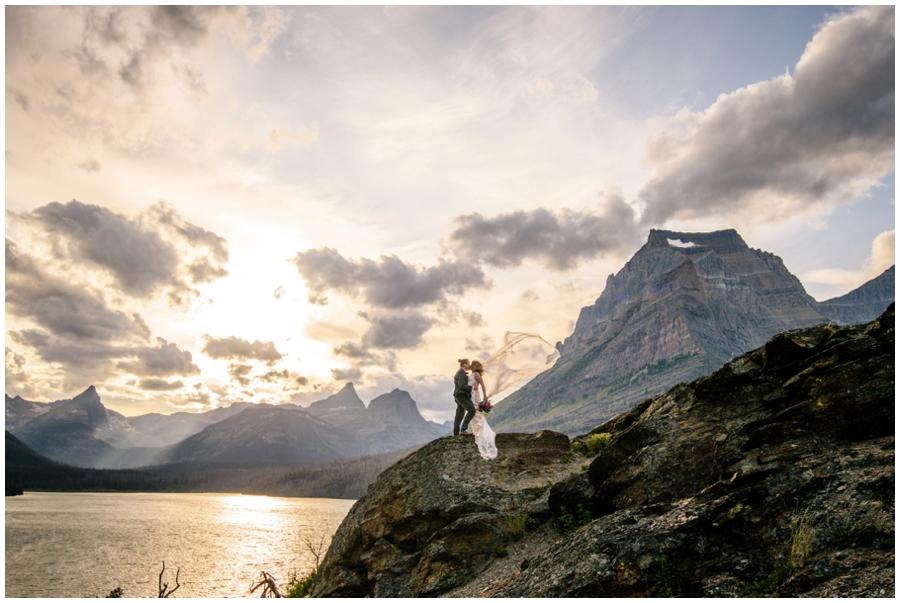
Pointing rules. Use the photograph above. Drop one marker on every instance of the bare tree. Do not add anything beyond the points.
(164, 591)
(315, 548)
(270, 589)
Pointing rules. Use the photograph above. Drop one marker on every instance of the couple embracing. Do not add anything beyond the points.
(472, 404)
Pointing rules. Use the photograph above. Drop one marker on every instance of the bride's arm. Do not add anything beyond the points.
(484, 396)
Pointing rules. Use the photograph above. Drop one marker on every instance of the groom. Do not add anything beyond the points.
(462, 393)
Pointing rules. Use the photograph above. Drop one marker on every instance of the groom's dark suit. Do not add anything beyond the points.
(462, 393)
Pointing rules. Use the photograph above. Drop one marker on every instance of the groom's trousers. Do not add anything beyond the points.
(464, 406)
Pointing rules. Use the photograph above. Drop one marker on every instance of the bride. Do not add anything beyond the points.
(484, 435)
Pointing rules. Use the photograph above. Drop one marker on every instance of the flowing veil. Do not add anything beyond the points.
(521, 357)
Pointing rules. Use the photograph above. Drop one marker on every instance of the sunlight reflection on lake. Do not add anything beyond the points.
(85, 544)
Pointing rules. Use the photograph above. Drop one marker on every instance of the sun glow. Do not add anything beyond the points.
(248, 509)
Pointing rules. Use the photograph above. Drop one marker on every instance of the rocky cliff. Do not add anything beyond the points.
(772, 476)
(681, 307)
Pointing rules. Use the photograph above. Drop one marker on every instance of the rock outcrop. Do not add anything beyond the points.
(772, 476)
(681, 307)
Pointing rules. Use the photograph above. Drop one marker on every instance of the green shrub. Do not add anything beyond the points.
(591, 445)
(802, 533)
(300, 587)
(516, 525)
(576, 518)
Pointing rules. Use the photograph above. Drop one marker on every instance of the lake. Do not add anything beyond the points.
(64, 544)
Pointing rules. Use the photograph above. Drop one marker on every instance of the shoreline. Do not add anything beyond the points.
(230, 493)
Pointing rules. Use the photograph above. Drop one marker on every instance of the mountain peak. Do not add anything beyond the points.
(717, 240)
(346, 398)
(89, 395)
(397, 403)
(683, 305)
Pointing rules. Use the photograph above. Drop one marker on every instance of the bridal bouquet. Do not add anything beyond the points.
(485, 406)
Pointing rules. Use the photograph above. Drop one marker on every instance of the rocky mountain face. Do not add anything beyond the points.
(266, 434)
(861, 304)
(83, 432)
(772, 476)
(685, 304)
(164, 430)
(68, 429)
(338, 427)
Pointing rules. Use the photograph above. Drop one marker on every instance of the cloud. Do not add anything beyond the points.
(483, 347)
(89, 165)
(346, 374)
(161, 385)
(837, 281)
(285, 376)
(165, 359)
(557, 240)
(823, 134)
(139, 259)
(366, 357)
(361, 358)
(397, 331)
(157, 250)
(235, 347)
(127, 76)
(529, 295)
(17, 378)
(882, 255)
(94, 359)
(387, 283)
(128, 42)
(61, 306)
(239, 373)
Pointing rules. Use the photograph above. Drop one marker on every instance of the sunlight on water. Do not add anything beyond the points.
(85, 544)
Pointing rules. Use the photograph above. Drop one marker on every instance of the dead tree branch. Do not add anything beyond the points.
(270, 588)
(164, 591)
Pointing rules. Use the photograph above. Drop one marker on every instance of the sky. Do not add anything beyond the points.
(207, 205)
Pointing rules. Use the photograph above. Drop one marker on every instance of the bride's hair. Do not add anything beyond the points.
(463, 361)
(476, 366)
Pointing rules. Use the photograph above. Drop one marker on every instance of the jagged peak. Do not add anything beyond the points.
(89, 394)
(346, 398)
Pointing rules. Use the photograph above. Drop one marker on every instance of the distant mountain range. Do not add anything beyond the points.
(680, 308)
(29, 470)
(81, 431)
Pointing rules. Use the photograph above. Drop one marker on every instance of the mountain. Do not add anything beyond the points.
(165, 430)
(27, 470)
(19, 411)
(346, 400)
(681, 307)
(83, 432)
(864, 303)
(394, 421)
(337, 427)
(284, 434)
(774, 476)
(70, 430)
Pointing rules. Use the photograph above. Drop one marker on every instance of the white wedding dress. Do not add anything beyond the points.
(484, 435)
